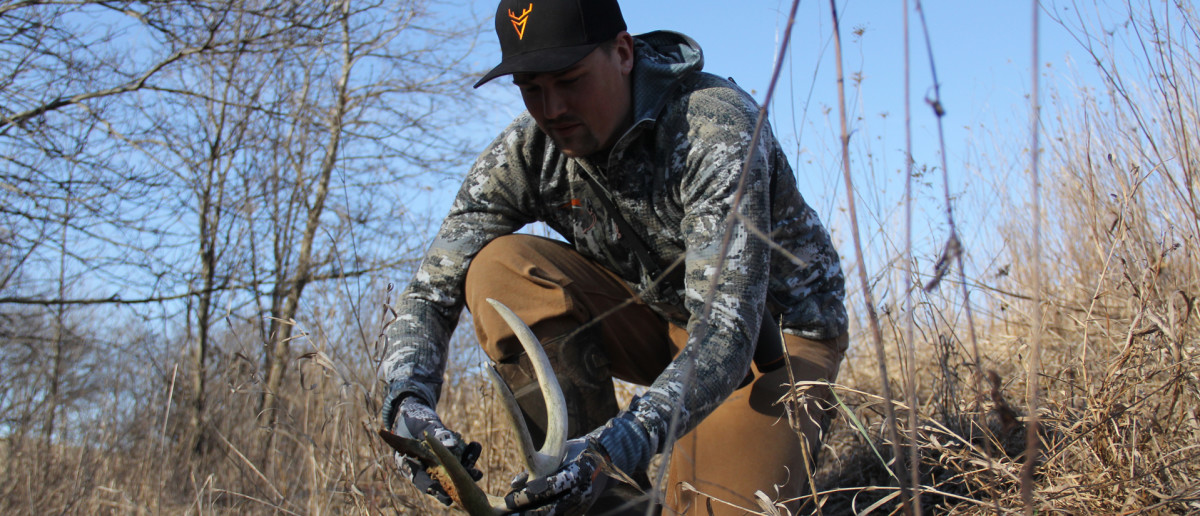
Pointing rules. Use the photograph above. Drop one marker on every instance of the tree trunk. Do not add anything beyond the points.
(285, 318)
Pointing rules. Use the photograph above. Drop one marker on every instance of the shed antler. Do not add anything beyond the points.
(544, 461)
(450, 473)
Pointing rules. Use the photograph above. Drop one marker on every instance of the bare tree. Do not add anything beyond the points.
(199, 166)
(364, 127)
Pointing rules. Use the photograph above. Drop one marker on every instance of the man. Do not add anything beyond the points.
(637, 159)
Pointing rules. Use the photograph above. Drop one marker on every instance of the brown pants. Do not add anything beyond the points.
(747, 444)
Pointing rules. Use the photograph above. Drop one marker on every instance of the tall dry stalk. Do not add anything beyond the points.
(868, 298)
(1035, 359)
(909, 260)
(953, 250)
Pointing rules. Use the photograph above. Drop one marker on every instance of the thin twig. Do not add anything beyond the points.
(954, 246)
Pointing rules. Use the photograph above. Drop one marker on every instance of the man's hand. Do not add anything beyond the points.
(572, 489)
(413, 420)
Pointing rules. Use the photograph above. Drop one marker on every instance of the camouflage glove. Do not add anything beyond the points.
(569, 491)
(414, 419)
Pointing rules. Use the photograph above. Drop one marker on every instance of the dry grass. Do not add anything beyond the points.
(1120, 422)
(1118, 438)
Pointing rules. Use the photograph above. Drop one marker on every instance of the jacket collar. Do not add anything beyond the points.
(663, 59)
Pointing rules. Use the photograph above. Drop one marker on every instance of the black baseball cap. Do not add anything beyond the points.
(550, 35)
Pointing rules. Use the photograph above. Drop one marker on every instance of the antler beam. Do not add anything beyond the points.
(548, 458)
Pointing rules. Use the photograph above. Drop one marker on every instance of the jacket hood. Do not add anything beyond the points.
(663, 58)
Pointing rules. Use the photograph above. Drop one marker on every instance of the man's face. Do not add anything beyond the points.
(586, 107)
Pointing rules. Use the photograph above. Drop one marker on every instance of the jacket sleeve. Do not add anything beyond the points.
(495, 199)
(725, 298)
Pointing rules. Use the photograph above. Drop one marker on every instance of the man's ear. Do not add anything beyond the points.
(625, 52)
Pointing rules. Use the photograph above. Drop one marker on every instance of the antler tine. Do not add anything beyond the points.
(546, 460)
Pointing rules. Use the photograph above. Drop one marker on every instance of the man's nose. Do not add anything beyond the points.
(553, 104)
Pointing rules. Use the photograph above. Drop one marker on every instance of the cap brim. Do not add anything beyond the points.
(540, 61)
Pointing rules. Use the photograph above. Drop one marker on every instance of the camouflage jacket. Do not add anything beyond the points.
(673, 176)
